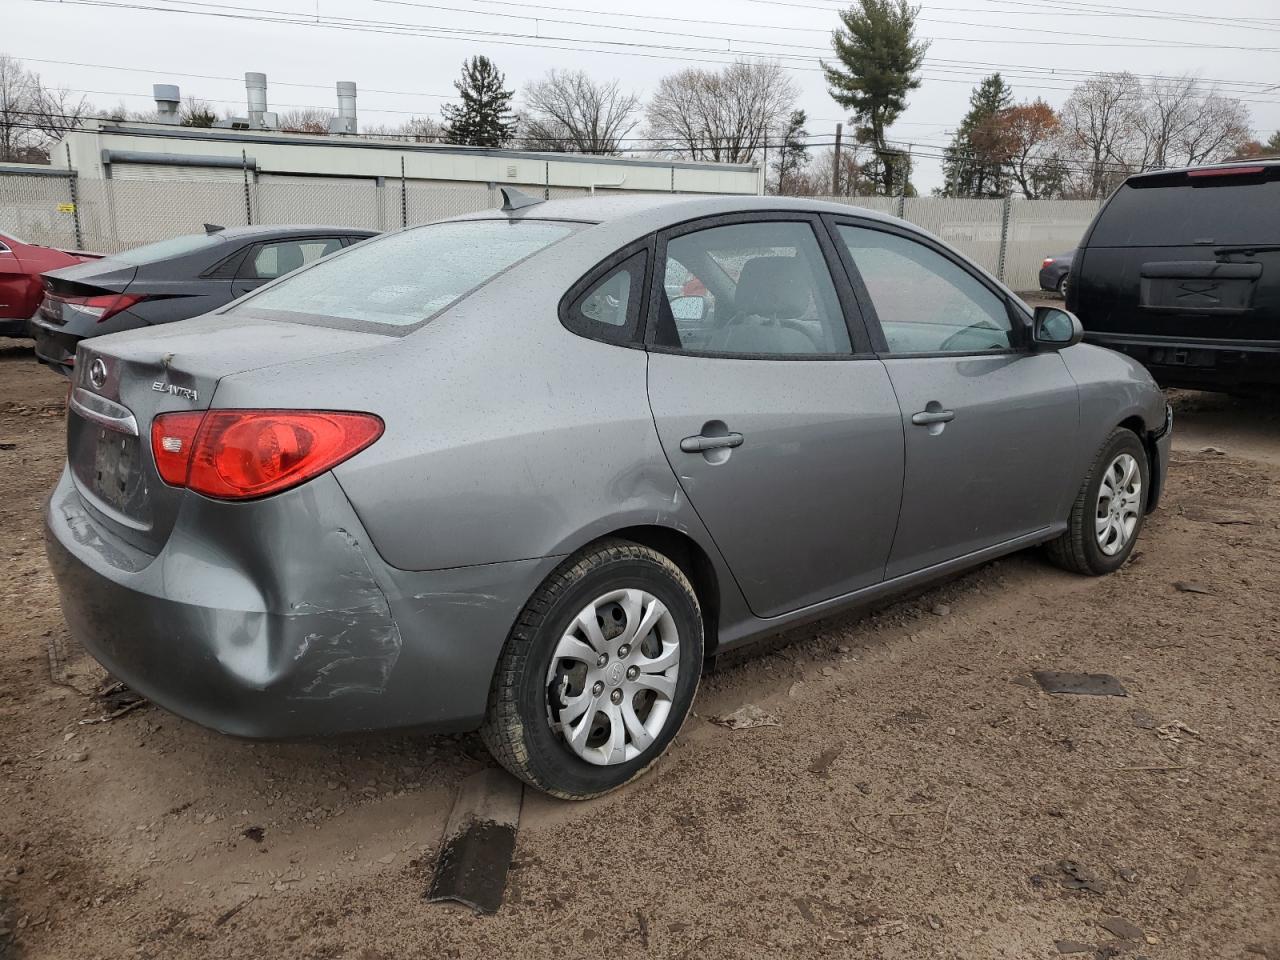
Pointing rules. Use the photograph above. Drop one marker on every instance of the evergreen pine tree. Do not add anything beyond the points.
(484, 118)
(878, 60)
(969, 168)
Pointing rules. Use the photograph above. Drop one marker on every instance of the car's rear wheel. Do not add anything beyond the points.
(1062, 285)
(598, 673)
(1109, 509)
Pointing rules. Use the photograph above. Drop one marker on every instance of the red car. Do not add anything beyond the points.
(21, 288)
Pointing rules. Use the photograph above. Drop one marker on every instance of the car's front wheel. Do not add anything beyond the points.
(1109, 509)
(598, 673)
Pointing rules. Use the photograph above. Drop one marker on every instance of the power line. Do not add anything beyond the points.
(401, 28)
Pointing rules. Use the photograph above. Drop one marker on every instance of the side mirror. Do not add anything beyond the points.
(1055, 329)
(688, 308)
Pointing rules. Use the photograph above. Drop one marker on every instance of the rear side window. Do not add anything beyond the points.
(276, 259)
(1209, 210)
(404, 278)
(609, 309)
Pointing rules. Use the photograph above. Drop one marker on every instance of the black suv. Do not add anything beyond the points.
(1180, 269)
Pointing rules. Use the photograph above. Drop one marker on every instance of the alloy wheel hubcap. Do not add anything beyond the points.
(1119, 504)
(613, 677)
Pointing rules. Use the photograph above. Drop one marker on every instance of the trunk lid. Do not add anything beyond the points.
(67, 285)
(123, 382)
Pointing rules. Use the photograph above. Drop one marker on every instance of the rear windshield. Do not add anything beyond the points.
(173, 247)
(1217, 212)
(404, 278)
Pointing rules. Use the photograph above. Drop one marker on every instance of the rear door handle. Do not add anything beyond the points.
(701, 443)
(925, 417)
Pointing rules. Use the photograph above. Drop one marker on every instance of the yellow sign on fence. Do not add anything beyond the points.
(66, 208)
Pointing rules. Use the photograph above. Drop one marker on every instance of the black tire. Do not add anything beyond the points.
(1062, 286)
(1078, 549)
(517, 729)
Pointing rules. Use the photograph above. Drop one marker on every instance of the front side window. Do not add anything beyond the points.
(276, 259)
(756, 289)
(925, 302)
(403, 278)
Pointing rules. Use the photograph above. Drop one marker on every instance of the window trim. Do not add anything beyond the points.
(1019, 325)
(630, 333)
(861, 345)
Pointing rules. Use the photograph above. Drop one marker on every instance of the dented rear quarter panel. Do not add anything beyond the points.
(277, 618)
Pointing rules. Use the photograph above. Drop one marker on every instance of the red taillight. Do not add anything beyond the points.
(242, 454)
(173, 437)
(1047, 261)
(1225, 171)
(100, 308)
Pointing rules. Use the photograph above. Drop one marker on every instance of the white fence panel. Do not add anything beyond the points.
(1039, 229)
(971, 226)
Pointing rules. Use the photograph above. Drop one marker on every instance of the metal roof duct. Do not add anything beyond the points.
(345, 121)
(255, 85)
(168, 100)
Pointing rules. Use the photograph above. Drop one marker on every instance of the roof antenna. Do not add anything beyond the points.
(513, 199)
(212, 228)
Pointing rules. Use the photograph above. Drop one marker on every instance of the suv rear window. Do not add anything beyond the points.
(1212, 210)
(404, 278)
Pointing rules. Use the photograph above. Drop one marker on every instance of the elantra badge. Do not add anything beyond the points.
(187, 393)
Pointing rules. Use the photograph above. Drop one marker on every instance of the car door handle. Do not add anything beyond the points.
(925, 417)
(701, 444)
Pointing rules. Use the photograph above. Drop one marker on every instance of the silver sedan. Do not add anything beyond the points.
(524, 470)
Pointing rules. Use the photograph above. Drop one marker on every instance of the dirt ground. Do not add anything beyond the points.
(953, 790)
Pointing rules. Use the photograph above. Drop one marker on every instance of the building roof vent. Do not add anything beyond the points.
(345, 121)
(168, 100)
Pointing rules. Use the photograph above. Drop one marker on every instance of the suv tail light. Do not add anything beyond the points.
(244, 454)
(60, 308)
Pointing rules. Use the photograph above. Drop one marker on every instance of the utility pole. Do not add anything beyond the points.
(835, 167)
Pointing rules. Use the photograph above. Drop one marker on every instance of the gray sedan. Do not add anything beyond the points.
(524, 470)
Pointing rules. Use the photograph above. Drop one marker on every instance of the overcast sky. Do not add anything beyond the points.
(404, 54)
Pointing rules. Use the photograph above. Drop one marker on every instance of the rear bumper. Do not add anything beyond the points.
(15, 327)
(54, 346)
(279, 620)
(1198, 362)
(1049, 277)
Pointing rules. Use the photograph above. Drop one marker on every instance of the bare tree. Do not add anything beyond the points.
(421, 130)
(1221, 123)
(723, 116)
(566, 111)
(306, 120)
(1098, 128)
(855, 179)
(19, 103)
(1114, 125)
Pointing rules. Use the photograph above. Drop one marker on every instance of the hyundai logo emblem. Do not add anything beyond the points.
(98, 373)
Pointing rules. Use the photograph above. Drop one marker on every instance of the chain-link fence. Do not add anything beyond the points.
(1007, 237)
(39, 209)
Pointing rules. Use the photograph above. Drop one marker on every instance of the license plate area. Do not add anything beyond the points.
(116, 474)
